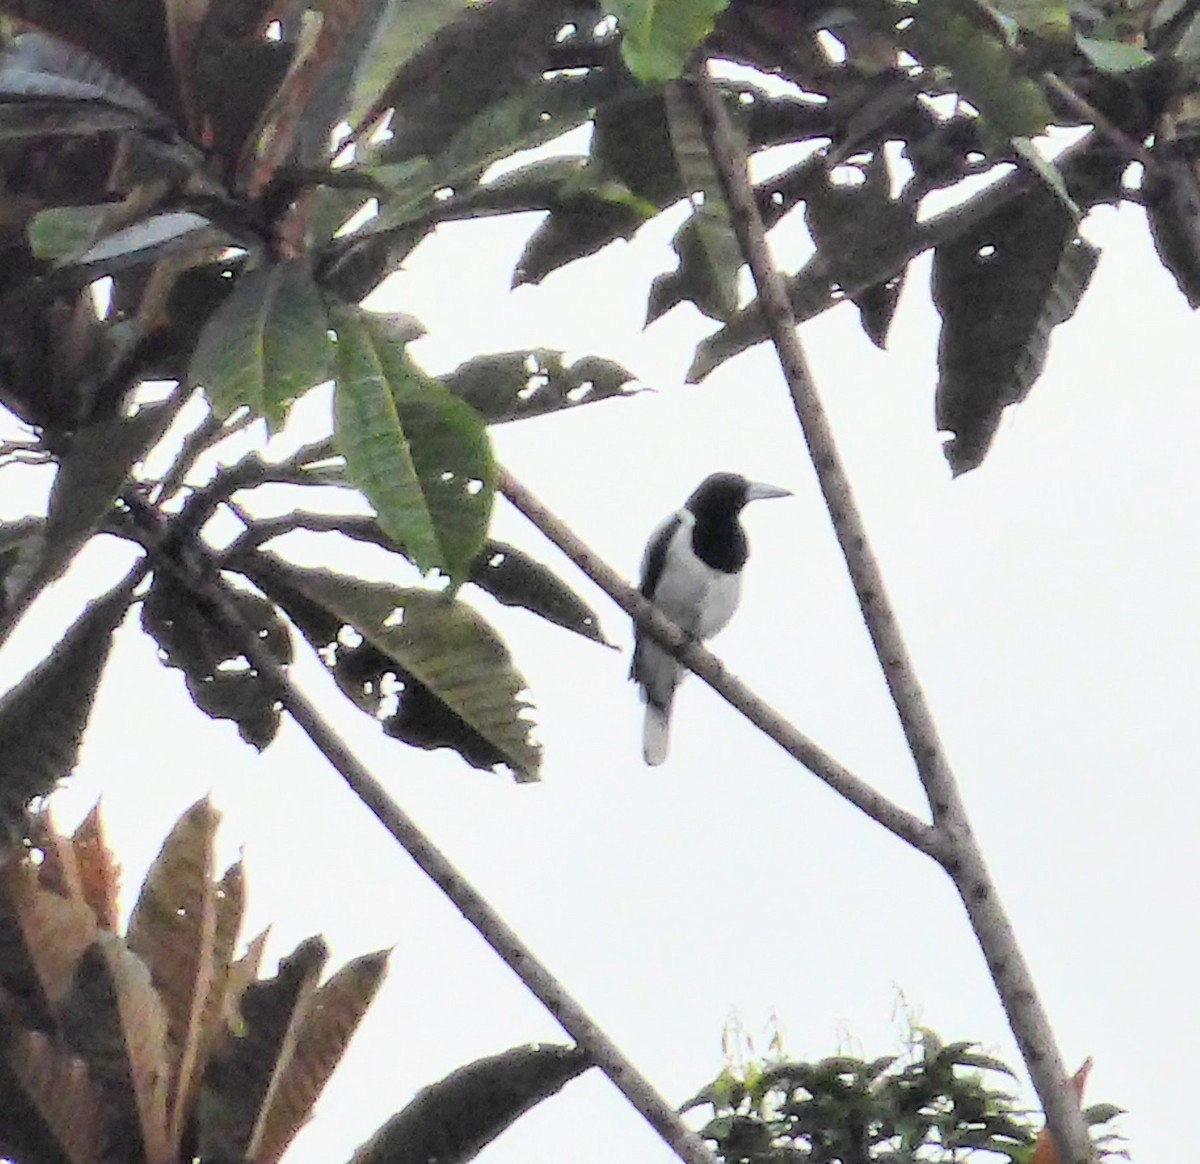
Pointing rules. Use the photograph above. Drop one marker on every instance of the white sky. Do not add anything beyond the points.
(1049, 602)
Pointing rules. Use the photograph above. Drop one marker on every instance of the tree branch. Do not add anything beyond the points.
(892, 817)
(961, 856)
(686, 1144)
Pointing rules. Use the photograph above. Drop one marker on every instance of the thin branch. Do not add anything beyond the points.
(858, 792)
(1133, 149)
(213, 596)
(961, 856)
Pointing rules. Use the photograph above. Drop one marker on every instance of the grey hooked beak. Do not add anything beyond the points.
(758, 491)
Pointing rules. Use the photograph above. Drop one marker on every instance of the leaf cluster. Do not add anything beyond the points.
(940, 1101)
(207, 202)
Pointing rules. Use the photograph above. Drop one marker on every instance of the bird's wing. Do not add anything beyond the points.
(655, 556)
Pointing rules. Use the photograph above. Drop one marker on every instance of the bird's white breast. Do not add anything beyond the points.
(697, 598)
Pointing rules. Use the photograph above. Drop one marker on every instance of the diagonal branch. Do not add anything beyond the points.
(199, 575)
(704, 663)
(961, 856)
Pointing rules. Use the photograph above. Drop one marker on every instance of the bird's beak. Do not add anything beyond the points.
(757, 491)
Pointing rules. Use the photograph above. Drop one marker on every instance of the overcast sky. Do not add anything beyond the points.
(1049, 602)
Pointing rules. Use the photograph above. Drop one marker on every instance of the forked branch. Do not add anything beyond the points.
(959, 853)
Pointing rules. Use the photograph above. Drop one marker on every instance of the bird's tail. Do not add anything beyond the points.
(655, 733)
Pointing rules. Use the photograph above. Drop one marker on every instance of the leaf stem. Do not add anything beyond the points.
(959, 854)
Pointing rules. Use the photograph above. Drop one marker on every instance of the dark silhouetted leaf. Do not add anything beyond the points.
(853, 224)
(330, 1019)
(43, 717)
(515, 579)
(452, 1120)
(220, 680)
(1171, 192)
(93, 470)
(518, 385)
(266, 344)
(50, 118)
(246, 1063)
(1028, 257)
(419, 454)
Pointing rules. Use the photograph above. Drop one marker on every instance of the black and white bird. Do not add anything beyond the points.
(692, 571)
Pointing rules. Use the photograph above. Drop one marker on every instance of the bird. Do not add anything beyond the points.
(692, 572)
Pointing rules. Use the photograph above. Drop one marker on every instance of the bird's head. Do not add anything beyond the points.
(729, 493)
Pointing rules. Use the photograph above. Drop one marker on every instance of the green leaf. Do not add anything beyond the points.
(1046, 18)
(534, 382)
(451, 1121)
(42, 718)
(265, 345)
(444, 645)
(1113, 56)
(984, 70)
(64, 230)
(420, 455)
(658, 36)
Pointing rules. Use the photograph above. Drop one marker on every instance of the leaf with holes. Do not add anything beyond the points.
(420, 455)
(221, 681)
(853, 224)
(43, 717)
(464, 674)
(330, 1018)
(536, 381)
(451, 1121)
(266, 345)
(658, 36)
(513, 578)
(1028, 256)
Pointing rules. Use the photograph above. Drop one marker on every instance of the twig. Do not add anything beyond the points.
(686, 1144)
(1133, 149)
(961, 856)
(858, 792)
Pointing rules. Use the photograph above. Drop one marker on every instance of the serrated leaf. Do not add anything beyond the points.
(266, 345)
(99, 873)
(1028, 256)
(534, 382)
(420, 456)
(245, 1063)
(172, 929)
(330, 1019)
(445, 646)
(221, 681)
(658, 36)
(43, 717)
(452, 1120)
